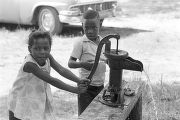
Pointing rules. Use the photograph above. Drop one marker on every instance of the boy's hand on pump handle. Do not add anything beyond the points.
(84, 81)
(83, 85)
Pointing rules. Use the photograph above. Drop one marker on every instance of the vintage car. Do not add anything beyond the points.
(51, 15)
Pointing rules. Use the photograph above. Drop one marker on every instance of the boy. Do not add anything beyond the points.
(85, 51)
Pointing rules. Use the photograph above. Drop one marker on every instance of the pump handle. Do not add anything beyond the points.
(105, 40)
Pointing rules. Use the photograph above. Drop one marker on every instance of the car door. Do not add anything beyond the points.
(9, 11)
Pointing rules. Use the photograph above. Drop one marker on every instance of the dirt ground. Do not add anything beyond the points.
(150, 32)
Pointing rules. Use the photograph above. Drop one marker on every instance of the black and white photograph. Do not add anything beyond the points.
(89, 60)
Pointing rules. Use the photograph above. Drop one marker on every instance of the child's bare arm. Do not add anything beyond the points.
(72, 63)
(34, 69)
(64, 72)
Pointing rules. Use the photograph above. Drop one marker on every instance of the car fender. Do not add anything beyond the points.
(29, 14)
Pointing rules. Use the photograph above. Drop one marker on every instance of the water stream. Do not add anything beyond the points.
(148, 82)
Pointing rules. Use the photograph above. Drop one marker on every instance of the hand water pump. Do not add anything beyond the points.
(117, 61)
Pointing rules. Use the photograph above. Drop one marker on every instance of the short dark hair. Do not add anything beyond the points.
(36, 34)
(90, 14)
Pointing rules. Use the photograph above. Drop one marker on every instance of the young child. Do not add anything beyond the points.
(31, 97)
(85, 51)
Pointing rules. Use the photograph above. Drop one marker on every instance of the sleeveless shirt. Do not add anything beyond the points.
(30, 97)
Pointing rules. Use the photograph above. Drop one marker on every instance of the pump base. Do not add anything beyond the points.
(109, 103)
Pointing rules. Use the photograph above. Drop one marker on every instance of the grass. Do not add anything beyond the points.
(161, 101)
(148, 7)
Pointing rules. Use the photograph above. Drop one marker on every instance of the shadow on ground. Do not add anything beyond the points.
(14, 27)
(70, 30)
(123, 32)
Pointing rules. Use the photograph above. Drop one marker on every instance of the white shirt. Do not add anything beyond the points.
(31, 97)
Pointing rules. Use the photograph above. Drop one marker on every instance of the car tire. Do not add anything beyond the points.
(48, 20)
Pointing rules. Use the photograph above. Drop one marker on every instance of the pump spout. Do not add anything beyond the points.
(132, 64)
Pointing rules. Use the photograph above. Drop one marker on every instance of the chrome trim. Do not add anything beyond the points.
(99, 6)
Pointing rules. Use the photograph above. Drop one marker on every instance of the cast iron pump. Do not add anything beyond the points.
(117, 61)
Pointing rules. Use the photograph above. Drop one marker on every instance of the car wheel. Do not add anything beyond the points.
(48, 20)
